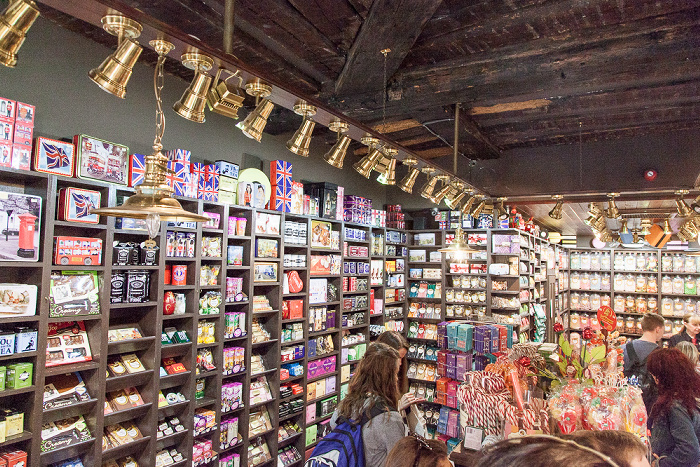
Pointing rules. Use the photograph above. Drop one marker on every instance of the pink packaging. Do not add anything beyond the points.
(330, 384)
(339, 204)
(23, 134)
(328, 365)
(21, 157)
(7, 110)
(232, 226)
(310, 413)
(313, 369)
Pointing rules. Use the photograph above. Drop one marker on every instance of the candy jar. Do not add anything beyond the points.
(652, 286)
(667, 285)
(630, 262)
(652, 263)
(619, 285)
(678, 307)
(595, 281)
(575, 301)
(605, 300)
(697, 263)
(630, 325)
(678, 263)
(641, 305)
(667, 306)
(605, 261)
(575, 281)
(575, 319)
(677, 326)
(619, 304)
(629, 283)
(678, 285)
(630, 304)
(651, 305)
(666, 263)
(586, 281)
(575, 260)
(595, 301)
(595, 261)
(690, 286)
(638, 326)
(585, 260)
(593, 323)
(668, 326)
(690, 265)
(641, 262)
(619, 264)
(585, 301)
(690, 306)
(605, 282)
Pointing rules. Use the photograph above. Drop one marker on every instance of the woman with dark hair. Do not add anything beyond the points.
(397, 341)
(416, 451)
(675, 417)
(626, 449)
(373, 399)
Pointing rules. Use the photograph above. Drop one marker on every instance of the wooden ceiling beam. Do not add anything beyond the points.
(469, 125)
(390, 24)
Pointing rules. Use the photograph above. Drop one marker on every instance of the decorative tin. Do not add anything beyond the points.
(101, 160)
(54, 157)
(74, 205)
(228, 169)
(137, 169)
(20, 227)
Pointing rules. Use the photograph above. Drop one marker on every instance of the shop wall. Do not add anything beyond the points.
(52, 74)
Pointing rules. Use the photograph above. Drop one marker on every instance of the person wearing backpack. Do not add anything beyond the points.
(675, 416)
(367, 424)
(637, 351)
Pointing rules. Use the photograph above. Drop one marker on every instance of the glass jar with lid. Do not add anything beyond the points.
(619, 285)
(619, 304)
(585, 301)
(678, 263)
(652, 263)
(596, 281)
(629, 283)
(605, 300)
(605, 261)
(630, 262)
(605, 282)
(640, 284)
(690, 306)
(575, 301)
(678, 284)
(667, 306)
(619, 264)
(575, 260)
(652, 286)
(652, 305)
(666, 285)
(690, 286)
(575, 280)
(641, 305)
(678, 307)
(585, 281)
(585, 260)
(595, 261)
(595, 301)
(630, 304)
(641, 260)
(690, 265)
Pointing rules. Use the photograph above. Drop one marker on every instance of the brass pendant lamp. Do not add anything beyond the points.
(612, 212)
(442, 192)
(467, 206)
(681, 205)
(153, 200)
(387, 174)
(15, 21)
(457, 195)
(336, 155)
(479, 207)
(301, 139)
(406, 184)
(191, 104)
(114, 72)
(255, 122)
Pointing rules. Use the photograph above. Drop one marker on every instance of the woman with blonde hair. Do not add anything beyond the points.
(373, 399)
(689, 333)
(690, 351)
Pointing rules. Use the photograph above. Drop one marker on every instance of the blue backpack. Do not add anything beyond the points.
(343, 446)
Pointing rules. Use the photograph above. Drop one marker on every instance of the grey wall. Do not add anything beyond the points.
(52, 74)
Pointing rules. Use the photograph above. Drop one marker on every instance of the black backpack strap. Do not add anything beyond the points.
(379, 408)
(634, 358)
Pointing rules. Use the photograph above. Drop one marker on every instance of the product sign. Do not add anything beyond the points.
(607, 318)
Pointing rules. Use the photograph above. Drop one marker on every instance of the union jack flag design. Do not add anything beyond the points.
(208, 181)
(170, 176)
(82, 204)
(179, 177)
(281, 177)
(56, 157)
(137, 169)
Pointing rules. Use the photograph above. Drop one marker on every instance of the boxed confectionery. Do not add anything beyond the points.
(54, 157)
(327, 194)
(17, 300)
(64, 390)
(67, 343)
(281, 180)
(81, 251)
(101, 160)
(64, 433)
(73, 293)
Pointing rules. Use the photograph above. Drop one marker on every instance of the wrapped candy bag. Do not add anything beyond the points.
(565, 409)
(635, 413)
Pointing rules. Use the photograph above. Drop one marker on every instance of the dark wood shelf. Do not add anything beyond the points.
(126, 414)
(125, 449)
(71, 368)
(132, 379)
(58, 455)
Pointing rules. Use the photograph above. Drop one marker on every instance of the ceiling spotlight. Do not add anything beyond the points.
(442, 192)
(255, 122)
(301, 139)
(153, 199)
(594, 209)
(15, 21)
(635, 236)
(427, 190)
(696, 205)
(369, 162)
(191, 104)
(406, 184)
(387, 175)
(456, 197)
(224, 99)
(667, 227)
(477, 210)
(114, 72)
(681, 205)
(336, 155)
(645, 224)
(501, 211)
(467, 206)
(688, 231)
(556, 212)
(612, 211)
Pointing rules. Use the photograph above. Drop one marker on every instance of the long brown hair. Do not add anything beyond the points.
(413, 451)
(397, 341)
(374, 378)
(677, 380)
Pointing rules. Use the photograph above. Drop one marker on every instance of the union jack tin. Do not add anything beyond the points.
(74, 205)
(97, 159)
(53, 156)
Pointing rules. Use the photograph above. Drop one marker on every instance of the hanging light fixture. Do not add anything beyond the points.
(255, 122)
(467, 206)
(556, 212)
(457, 195)
(301, 139)
(480, 207)
(426, 190)
(688, 231)
(612, 212)
(500, 210)
(191, 104)
(623, 227)
(114, 72)
(459, 248)
(667, 227)
(153, 200)
(367, 164)
(15, 22)
(225, 99)
(696, 205)
(645, 224)
(681, 205)
(442, 192)
(406, 184)
(336, 155)
(387, 174)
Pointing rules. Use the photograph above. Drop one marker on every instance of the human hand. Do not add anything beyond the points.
(408, 400)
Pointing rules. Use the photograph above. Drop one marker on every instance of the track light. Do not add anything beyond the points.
(623, 227)
(191, 104)
(477, 210)
(336, 155)
(500, 210)
(387, 174)
(114, 72)
(427, 190)
(224, 99)
(15, 21)
(369, 162)
(612, 211)
(457, 195)
(301, 139)
(556, 212)
(255, 122)
(406, 184)
(442, 192)
(667, 227)
(696, 205)
(645, 224)
(467, 206)
(688, 231)
(682, 207)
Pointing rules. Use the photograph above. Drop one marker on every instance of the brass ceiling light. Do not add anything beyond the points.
(479, 207)
(336, 155)
(367, 164)
(681, 205)
(459, 247)
(500, 209)
(226, 99)
(255, 122)
(467, 206)
(442, 192)
(453, 199)
(15, 22)
(153, 200)
(114, 72)
(192, 103)
(406, 184)
(426, 190)
(387, 174)
(696, 205)
(623, 227)
(301, 139)
(556, 212)
(612, 212)
(688, 231)
(645, 224)
(667, 227)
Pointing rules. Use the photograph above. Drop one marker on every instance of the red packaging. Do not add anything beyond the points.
(77, 251)
(5, 155)
(15, 458)
(168, 274)
(21, 157)
(23, 134)
(296, 285)
(296, 309)
(25, 114)
(7, 132)
(179, 274)
(7, 110)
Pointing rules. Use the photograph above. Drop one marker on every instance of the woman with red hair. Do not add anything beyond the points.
(675, 416)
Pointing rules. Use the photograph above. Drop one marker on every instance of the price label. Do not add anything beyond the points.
(607, 318)
(473, 437)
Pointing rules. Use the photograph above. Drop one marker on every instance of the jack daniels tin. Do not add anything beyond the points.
(129, 286)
